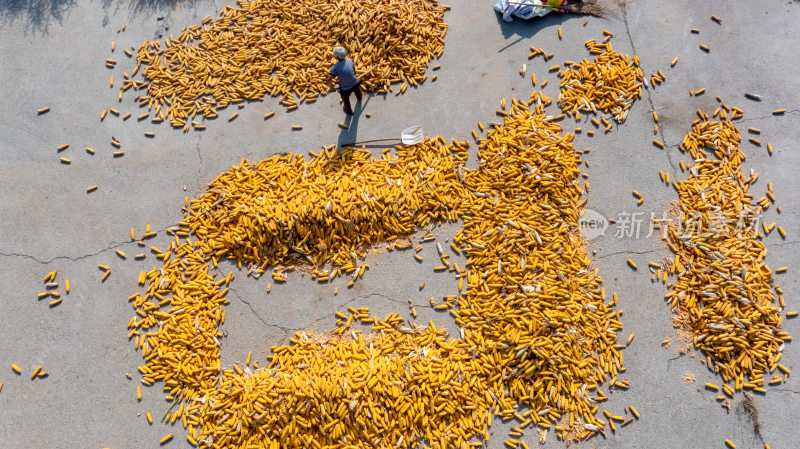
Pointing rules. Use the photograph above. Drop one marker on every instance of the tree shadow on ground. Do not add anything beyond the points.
(146, 8)
(150, 7)
(37, 14)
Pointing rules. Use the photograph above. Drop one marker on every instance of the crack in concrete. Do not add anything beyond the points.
(286, 330)
(792, 112)
(258, 315)
(40, 260)
(616, 253)
(644, 85)
(316, 320)
(290, 330)
(43, 261)
(367, 295)
(655, 250)
(794, 242)
(47, 261)
(200, 157)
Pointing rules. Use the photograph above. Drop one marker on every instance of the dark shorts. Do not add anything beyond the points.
(346, 97)
(347, 92)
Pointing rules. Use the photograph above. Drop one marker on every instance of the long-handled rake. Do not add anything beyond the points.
(409, 136)
(336, 86)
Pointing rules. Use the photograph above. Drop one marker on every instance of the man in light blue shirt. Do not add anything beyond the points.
(345, 71)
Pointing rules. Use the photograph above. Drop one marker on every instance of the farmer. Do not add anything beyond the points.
(345, 71)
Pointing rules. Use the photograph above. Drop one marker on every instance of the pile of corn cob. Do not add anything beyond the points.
(329, 208)
(724, 291)
(396, 385)
(177, 321)
(284, 48)
(391, 389)
(536, 326)
(535, 314)
(610, 83)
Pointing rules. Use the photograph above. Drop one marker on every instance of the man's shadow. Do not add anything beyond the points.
(350, 135)
(524, 30)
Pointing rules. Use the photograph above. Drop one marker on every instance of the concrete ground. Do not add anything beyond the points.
(52, 54)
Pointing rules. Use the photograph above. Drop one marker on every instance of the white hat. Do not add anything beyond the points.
(339, 52)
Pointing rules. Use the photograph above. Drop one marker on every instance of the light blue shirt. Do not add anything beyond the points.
(345, 70)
